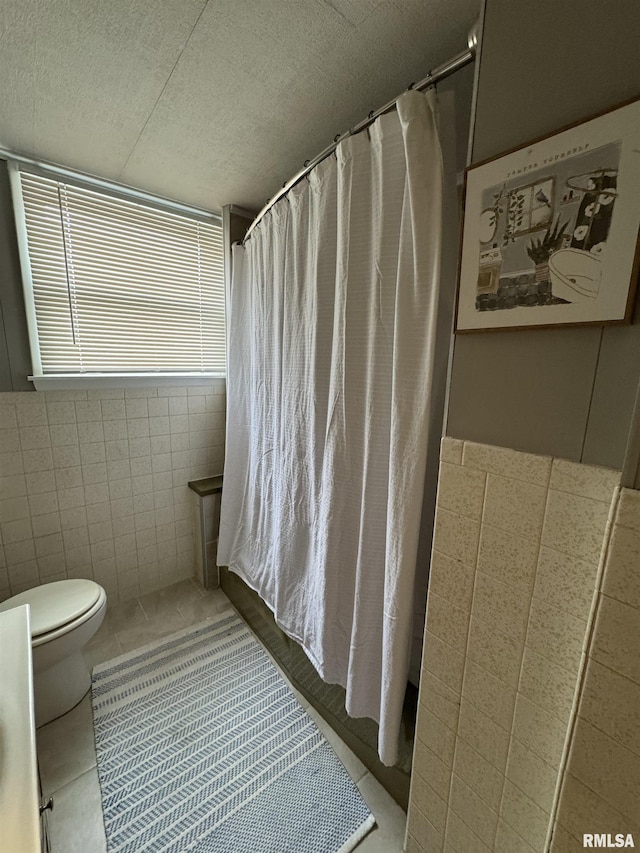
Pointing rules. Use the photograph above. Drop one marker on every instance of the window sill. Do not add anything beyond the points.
(72, 381)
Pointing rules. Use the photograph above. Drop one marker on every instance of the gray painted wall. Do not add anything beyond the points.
(15, 358)
(564, 392)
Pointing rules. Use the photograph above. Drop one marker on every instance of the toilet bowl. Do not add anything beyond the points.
(64, 617)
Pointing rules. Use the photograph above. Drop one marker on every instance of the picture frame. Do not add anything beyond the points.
(551, 229)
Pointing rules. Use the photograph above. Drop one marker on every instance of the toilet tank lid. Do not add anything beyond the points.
(55, 604)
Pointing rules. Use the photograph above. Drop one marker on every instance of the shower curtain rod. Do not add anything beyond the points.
(437, 74)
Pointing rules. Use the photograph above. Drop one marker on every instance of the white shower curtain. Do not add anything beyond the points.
(331, 318)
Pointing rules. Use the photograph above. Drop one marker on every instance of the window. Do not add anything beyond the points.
(118, 287)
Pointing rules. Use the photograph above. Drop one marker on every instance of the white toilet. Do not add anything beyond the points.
(64, 617)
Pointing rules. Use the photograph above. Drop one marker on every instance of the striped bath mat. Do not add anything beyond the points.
(202, 746)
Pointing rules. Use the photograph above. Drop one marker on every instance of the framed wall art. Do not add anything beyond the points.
(551, 229)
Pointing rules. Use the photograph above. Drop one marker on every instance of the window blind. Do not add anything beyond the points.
(120, 286)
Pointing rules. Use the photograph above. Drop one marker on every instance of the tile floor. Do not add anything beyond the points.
(66, 749)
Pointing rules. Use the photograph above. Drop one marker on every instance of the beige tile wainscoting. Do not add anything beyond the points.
(601, 788)
(518, 636)
(93, 484)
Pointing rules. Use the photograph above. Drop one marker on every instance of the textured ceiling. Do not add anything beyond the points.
(210, 102)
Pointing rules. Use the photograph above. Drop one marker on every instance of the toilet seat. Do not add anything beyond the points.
(58, 607)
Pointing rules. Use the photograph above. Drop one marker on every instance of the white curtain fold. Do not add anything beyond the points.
(331, 334)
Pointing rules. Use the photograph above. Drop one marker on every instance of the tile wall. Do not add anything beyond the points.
(515, 563)
(94, 484)
(601, 788)
(209, 505)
